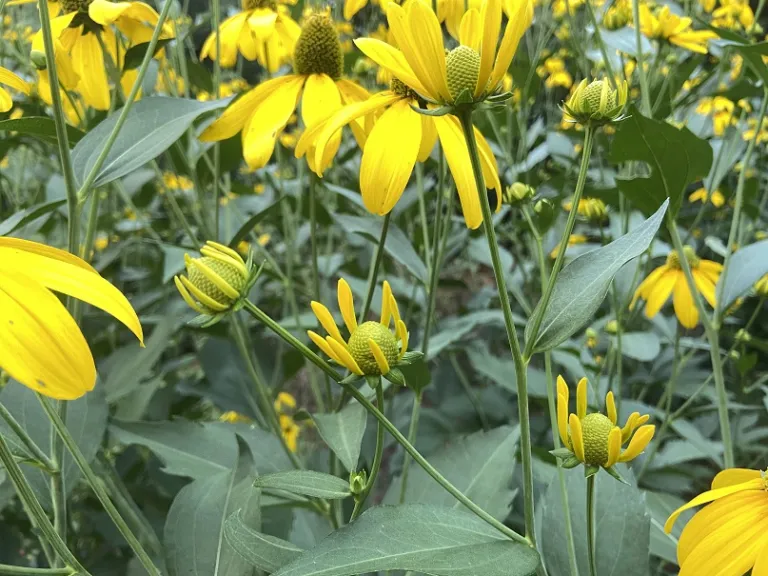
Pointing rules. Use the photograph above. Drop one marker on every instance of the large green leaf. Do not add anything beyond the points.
(151, 127)
(343, 432)
(40, 127)
(581, 286)
(186, 448)
(675, 157)
(265, 552)
(622, 533)
(429, 539)
(747, 266)
(306, 483)
(23, 217)
(480, 465)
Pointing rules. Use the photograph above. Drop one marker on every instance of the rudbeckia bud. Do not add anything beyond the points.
(594, 210)
(462, 68)
(39, 59)
(361, 350)
(357, 482)
(596, 428)
(318, 49)
(761, 286)
(518, 192)
(596, 103)
(591, 337)
(743, 336)
(612, 327)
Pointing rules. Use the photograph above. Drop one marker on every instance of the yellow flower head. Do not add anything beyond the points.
(470, 72)
(618, 15)
(761, 286)
(594, 439)
(733, 15)
(592, 209)
(573, 240)
(722, 111)
(597, 102)
(285, 404)
(216, 281)
(555, 73)
(669, 279)
(663, 25)
(728, 535)
(41, 345)
(518, 192)
(701, 195)
(372, 348)
(10, 79)
(232, 417)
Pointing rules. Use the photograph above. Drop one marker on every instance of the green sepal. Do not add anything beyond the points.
(207, 320)
(441, 111)
(301, 415)
(395, 376)
(410, 357)
(570, 462)
(374, 381)
(351, 379)
(615, 473)
(561, 453)
(590, 471)
(465, 97)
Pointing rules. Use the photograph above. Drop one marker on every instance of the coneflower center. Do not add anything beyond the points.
(593, 94)
(673, 258)
(318, 49)
(254, 4)
(361, 351)
(462, 69)
(400, 88)
(68, 6)
(228, 273)
(595, 429)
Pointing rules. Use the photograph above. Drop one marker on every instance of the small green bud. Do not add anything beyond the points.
(357, 482)
(743, 336)
(518, 192)
(39, 60)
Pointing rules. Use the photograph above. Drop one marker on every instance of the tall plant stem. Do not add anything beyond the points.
(7, 570)
(289, 338)
(98, 488)
(377, 457)
(521, 370)
(216, 21)
(35, 511)
(413, 429)
(373, 274)
(56, 480)
(313, 235)
(645, 92)
(591, 524)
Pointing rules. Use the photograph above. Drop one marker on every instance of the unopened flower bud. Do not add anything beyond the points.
(357, 482)
(592, 337)
(518, 192)
(596, 103)
(39, 59)
(743, 336)
(612, 327)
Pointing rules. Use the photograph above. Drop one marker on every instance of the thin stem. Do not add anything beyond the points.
(569, 224)
(645, 93)
(8, 570)
(591, 524)
(413, 429)
(374, 271)
(377, 456)
(514, 344)
(35, 511)
(58, 488)
(313, 235)
(33, 448)
(289, 338)
(216, 19)
(423, 213)
(98, 488)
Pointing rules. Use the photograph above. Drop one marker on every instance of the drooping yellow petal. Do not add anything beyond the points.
(489, 166)
(352, 93)
(6, 103)
(41, 345)
(733, 476)
(320, 101)
(326, 320)
(393, 60)
(705, 286)
(639, 441)
(610, 407)
(490, 16)
(347, 305)
(685, 309)
(614, 446)
(428, 138)
(659, 292)
(761, 562)
(646, 285)
(323, 345)
(577, 437)
(261, 23)
(381, 360)
(517, 24)
(231, 29)
(562, 410)
(344, 356)
(10, 79)
(581, 398)
(88, 63)
(471, 30)
(402, 333)
(386, 167)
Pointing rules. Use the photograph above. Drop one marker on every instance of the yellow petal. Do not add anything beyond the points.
(705, 286)
(629, 426)
(231, 30)
(378, 355)
(393, 60)
(427, 38)
(386, 167)
(343, 354)
(352, 7)
(562, 410)
(685, 309)
(326, 320)
(323, 345)
(761, 562)
(402, 333)
(386, 301)
(471, 30)
(639, 441)
(347, 305)
(352, 93)
(659, 292)
(517, 24)
(321, 99)
(261, 23)
(581, 398)
(733, 476)
(10, 79)
(428, 138)
(202, 297)
(40, 343)
(610, 407)
(489, 166)
(5, 100)
(393, 305)
(577, 437)
(187, 296)
(643, 290)
(490, 16)
(614, 446)
(88, 63)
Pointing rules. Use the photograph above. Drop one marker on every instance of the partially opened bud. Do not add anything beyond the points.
(518, 192)
(596, 103)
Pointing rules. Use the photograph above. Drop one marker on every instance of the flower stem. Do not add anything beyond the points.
(97, 486)
(465, 118)
(56, 480)
(591, 524)
(33, 448)
(374, 272)
(215, 24)
(7, 570)
(413, 429)
(558, 265)
(645, 92)
(391, 428)
(313, 235)
(377, 456)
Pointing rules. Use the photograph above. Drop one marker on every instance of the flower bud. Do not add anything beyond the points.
(596, 103)
(612, 327)
(518, 192)
(39, 59)
(357, 481)
(594, 210)
(743, 336)
(592, 337)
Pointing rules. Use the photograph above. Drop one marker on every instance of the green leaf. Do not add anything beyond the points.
(23, 217)
(254, 220)
(265, 552)
(306, 483)
(152, 126)
(643, 346)
(621, 520)
(581, 286)
(397, 244)
(173, 261)
(186, 448)
(480, 465)
(429, 539)
(675, 156)
(343, 432)
(40, 127)
(747, 266)
(135, 54)
(454, 329)
(660, 506)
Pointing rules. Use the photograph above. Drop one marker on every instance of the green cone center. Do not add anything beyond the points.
(462, 68)
(595, 429)
(361, 351)
(227, 272)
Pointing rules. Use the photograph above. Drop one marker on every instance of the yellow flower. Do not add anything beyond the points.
(262, 113)
(701, 195)
(594, 439)
(41, 345)
(285, 403)
(734, 15)
(669, 279)
(762, 132)
(761, 286)
(262, 31)
(721, 109)
(385, 167)
(596, 103)
(10, 79)
(561, 7)
(372, 348)
(728, 536)
(590, 208)
(555, 73)
(233, 417)
(475, 69)
(573, 240)
(667, 26)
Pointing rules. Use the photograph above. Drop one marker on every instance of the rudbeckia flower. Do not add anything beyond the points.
(721, 110)
(475, 68)
(386, 168)
(372, 348)
(663, 25)
(555, 72)
(10, 79)
(701, 195)
(262, 114)
(590, 208)
(669, 279)
(263, 31)
(729, 536)
(595, 439)
(573, 240)
(41, 345)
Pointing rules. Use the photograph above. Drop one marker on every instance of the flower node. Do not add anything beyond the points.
(361, 350)
(318, 50)
(463, 69)
(596, 429)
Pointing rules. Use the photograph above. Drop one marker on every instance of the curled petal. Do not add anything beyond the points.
(639, 441)
(577, 437)
(581, 399)
(381, 360)
(610, 407)
(347, 305)
(614, 446)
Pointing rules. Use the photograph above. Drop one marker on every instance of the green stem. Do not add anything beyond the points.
(520, 364)
(98, 488)
(216, 19)
(7, 570)
(56, 481)
(645, 93)
(591, 524)
(413, 429)
(313, 235)
(35, 511)
(569, 224)
(374, 270)
(289, 338)
(33, 448)
(377, 456)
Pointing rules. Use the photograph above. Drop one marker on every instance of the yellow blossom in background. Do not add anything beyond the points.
(100, 242)
(701, 195)
(177, 182)
(663, 25)
(594, 439)
(372, 348)
(707, 5)
(733, 15)
(41, 345)
(669, 280)
(618, 15)
(555, 73)
(721, 109)
(560, 8)
(232, 417)
(285, 404)
(573, 240)
(729, 536)
(761, 286)
(749, 133)
(10, 79)
(589, 208)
